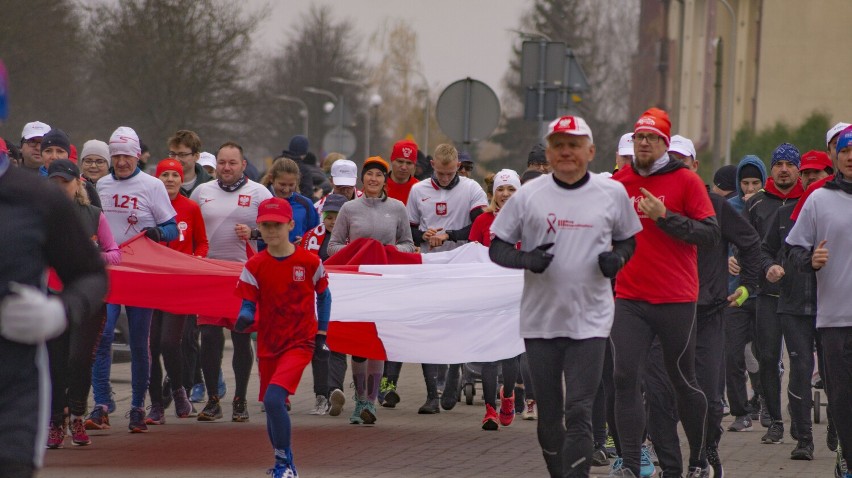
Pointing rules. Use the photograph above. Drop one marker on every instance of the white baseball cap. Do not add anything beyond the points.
(573, 125)
(683, 146)
(832, 132)
(344, 172)
(35, 129)
(625, 145)
(207, 159)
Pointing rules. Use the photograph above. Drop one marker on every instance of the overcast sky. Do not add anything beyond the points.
(456, 38)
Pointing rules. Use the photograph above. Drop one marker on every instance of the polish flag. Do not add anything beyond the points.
(444, 307)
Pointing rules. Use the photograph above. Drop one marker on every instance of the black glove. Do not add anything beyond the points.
(538, 259)
(321, 350)
(610, 263)
(243, 322)
(153, 233)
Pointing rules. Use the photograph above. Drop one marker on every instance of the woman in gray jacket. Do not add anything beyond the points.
(374, 216)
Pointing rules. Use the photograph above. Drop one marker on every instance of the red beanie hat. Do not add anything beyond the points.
(169, 164)
(655, 121)
(404, 149)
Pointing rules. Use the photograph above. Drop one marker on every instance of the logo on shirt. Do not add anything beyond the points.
(638, 198)
(298, 274)
(425, 199)
(244, 200)
(441, 209)
(554, 223)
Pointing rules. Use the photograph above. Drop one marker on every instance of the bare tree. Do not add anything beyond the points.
(40, 43)
(162, 65)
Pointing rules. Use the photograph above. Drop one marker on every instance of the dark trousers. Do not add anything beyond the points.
(837, 352)
(768, 340)
(799, 335)
(509, 368)
(634, 329)
(662, 412)
(166, 337)
(739, 331)
(609, 391)
(524, 376)
(337, 365)
(189, 352)
(71, 357)
(212, 347)
(565, 412)
(392, 370)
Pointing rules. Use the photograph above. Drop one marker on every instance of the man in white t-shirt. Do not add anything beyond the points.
(576, 231)
(441, 210)
(132, 202)
(229, 208)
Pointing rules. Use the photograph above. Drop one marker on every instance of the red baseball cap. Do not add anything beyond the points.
(274, 210)
(404, 149)
(816, 160)
(573, 125)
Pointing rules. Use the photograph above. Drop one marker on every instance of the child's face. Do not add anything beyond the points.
(275, 234)
(329, 218)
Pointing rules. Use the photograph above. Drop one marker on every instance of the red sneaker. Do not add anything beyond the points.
(78, 432)
(490, 420)
(56, 435)
(507, 409)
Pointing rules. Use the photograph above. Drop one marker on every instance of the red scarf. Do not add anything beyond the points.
(794, 193)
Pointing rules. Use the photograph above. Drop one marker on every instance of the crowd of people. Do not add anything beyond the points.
(645, 294)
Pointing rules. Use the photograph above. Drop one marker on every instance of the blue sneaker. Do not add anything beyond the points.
(111, 403)
(646, 466)
(284, 467)
(137, 420)
(196, 395)
(223, 389)
(618, 470)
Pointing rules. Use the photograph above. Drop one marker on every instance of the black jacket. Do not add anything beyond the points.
(760, 210)
(201, 177)
(797, 288)
(713, 260)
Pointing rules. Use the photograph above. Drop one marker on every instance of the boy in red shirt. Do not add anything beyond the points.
(282, 280)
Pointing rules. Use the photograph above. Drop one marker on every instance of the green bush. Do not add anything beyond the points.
(809, 135)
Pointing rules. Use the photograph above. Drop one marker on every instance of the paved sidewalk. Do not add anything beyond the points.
(401, 444)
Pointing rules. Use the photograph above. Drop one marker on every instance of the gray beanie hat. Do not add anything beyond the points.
(97, 148)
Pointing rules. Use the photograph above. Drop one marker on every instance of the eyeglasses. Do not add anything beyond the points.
(33, 142)
(173, 154)
(94, 162)
(651, 138)
(465, 167)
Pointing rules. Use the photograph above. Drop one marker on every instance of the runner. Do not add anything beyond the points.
(282, 179)
(403, 159)
(278, 286)
(656, 292)
(576, 231)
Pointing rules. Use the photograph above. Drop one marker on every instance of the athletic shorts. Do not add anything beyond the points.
(284, 370)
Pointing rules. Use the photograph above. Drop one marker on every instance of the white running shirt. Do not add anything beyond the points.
(431, 206)
(223, 210)
(133, 204)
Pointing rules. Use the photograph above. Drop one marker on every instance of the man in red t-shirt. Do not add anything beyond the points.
(403, 160)
(657, 290)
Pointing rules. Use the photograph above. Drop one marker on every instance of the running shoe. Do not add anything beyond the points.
(391, 396)
(183, 407)
(841, 468)
(383, 388)
(449, 401)
(618, 470)
(337, 400)
(137, 420)
(283, 470)
(714, 461)
(197, 393)
(98, 419)
(489, 422)
(804, 450)
(740, 424)
(431, 407)
(753, 407)
(507, 409)
(79, 437)
(355, 418)
(56, 435)
(610, 447)
(726, 408)
(530, 412)
(321, 407)
(156, 415)
(240, 410)
(652, 454)
(599, 457)
(698, 472)
(831, 437)
(212, 411)
(520, 399)
(646, 466)
(167, 393)
(368, 412)
(775, 434)
(223, 389)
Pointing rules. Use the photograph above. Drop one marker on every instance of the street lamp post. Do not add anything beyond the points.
(328, 94)
(303, 112)
(375, 101)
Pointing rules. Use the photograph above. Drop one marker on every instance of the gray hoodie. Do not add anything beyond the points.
(383, 219)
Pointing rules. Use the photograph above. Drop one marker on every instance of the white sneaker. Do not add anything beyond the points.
(530, 412)
(337, 399)
(321, 407)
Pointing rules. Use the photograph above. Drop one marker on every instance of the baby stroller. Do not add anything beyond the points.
(471, 374)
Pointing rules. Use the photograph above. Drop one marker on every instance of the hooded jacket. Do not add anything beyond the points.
(737, 201)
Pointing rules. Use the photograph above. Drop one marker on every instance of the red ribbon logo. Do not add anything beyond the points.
(551, 223)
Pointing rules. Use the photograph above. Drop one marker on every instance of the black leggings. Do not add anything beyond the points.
(392, 370)
(189, 353)
(768, 334)
(166, 337)
(71, 357)
(799, 335)
(509, 368)
(565, 408)
(837, 352)
(635, 326)
(212, 347)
